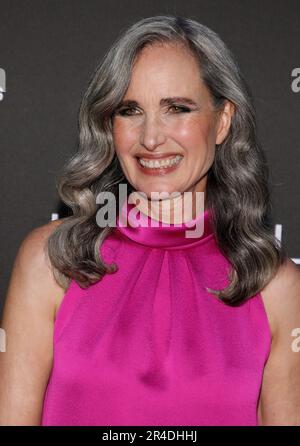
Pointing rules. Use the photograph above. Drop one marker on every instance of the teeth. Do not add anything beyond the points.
(167, 162)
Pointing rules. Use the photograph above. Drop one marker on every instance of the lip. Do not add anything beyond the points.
(163, 170)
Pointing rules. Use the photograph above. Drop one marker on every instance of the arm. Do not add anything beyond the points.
(28, 319)
(280, 394)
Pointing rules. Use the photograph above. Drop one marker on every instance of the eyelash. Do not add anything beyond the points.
(183, 109)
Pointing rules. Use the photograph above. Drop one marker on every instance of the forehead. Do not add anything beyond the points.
(165, 68)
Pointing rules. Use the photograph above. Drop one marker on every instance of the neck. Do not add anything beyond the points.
(178, 209)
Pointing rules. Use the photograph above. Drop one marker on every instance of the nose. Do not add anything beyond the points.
(152, 133)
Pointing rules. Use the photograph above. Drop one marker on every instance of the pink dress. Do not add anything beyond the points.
(149, 345)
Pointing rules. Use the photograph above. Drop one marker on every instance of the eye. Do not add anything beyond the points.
(180, 108)
(129, 111)
(124, 111)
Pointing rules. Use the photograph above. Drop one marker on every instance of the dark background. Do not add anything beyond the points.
(49, 49)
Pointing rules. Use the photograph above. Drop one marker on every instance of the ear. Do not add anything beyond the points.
(224, 121)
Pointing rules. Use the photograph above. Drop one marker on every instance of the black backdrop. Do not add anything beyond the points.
(48, 50)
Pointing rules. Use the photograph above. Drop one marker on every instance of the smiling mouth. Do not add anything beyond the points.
(164, 163)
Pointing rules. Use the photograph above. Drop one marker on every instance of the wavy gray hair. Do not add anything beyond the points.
(237, 187)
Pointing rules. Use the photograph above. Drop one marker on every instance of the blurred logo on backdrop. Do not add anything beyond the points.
(2, 83)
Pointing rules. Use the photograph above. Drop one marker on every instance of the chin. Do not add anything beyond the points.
(161, 191)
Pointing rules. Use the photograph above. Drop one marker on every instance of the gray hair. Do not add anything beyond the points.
(237, 189)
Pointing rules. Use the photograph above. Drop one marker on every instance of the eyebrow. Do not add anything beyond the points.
(163, 101)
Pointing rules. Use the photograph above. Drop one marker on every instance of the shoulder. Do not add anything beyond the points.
(32, 250)
(37, 237)
(281, 297)
(32, 272)
(279, 401)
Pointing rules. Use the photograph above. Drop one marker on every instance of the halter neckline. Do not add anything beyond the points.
(141, 228)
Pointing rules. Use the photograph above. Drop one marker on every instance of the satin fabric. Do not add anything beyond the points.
(149, 344)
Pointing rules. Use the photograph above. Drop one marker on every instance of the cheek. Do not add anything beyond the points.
(194, 135)
(123, 137)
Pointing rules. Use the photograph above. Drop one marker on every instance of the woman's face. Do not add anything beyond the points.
(156, 124)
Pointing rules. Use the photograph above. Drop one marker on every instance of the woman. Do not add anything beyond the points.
(142, 325)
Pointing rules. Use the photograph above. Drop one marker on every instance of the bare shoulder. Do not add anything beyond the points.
(281, 298)
(34, 241)
(33, 246)
(279, 400)
(32, 268)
